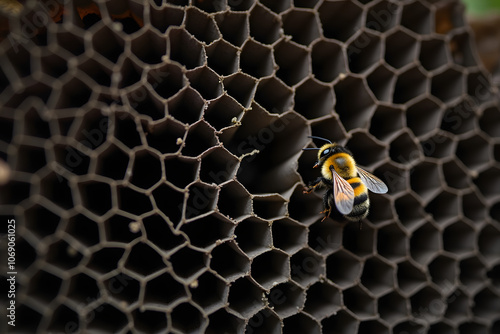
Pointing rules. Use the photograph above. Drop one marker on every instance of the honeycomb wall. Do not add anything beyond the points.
(151, 153)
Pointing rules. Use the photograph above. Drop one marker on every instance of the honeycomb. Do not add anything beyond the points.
(151, 154)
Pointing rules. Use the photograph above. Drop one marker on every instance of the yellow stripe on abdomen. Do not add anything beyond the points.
(358, 186)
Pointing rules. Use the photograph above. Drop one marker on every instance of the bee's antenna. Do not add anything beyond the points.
(310, 148)
(320, 138)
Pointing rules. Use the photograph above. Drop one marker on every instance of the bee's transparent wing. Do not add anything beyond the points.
(372, 182)
(342, 193)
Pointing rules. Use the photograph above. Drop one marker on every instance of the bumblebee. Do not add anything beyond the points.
(347, 184)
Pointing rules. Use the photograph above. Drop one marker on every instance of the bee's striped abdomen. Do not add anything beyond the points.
(361, 201)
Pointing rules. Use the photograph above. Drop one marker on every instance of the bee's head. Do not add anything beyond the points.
(324, 152)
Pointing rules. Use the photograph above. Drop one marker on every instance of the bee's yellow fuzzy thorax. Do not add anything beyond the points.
(343, 163)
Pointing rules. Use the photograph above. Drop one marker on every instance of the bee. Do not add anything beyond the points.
(347, 184)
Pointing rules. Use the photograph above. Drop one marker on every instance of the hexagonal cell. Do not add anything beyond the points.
(222, 112)
(61, 254)
(340, 19)
(473, 207)
(489, 242)
(417, 17)
(108, 43)
(160, 233)
(314, 100)
(132, 201)
(306, 267)
(364, 52)
(163, 290)
(351, 268)
(286, 299)
(187, 318)
(150, 47)
(486, 303)
(270, 268)
(448, 85)
(354, 103)
(146, 170)
(42, 222)
(444, 271)
(410, 327)
(253, 236)
(474, 327)
(233, 26)
(127, 130)
(360, 302)
(206, 82)
(201, 25)
(149, 320)
(301, 25)
(425, 243)
(404, 149)
(188, 263)
(322, 300)
(494, 275)
(381, 82)
(265, 321)
(325, 237)
(488, 182)
(140, 251)
(433, 53)
(410, 277)
(425, 180)
(272, 95)
(44, 286)
(400, 49)
(56, 189)
(244, 5)
(234, 201)
(288, 235)
(366, 149)
(185, 49)
(439, 146)
(441, 328)
(382, 16)
(264, 24)
(200, 137)
(123, 287)
(209, 292)
(256, 59)
(146, 102)
(391, 242)
(303, 207)
(228, 261)
(277, 6)
(223, 322)
(455, 175)
(80, 287)
(174, 207)
(472, 273)
(459, 238)
(358, 239)
(269, 206)
(34, 126)
(245, 298)
(101, 319)
(372, 326)
(458, 305)
(327, 60)
(458, 120)
(112, 162)
(222, 57)
(444, 207)
(105, 259)
(163, 17)
(378, 276)
(393, 307)
(343, 322)
(63, 318)
(186, 106)
(409, 85)
(490, 121)
(300, 323)
(395, 177)
(480, 90)
(423, 117)
(462, 48)
(241, 87)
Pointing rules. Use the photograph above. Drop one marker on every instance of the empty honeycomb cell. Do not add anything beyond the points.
(270, 268)
(381, 82)
(444, 207)
(472, 327)
(268, 207)
(382, 16)
(61, 254)
(433, 53)
(401, 49)
(328, 60)
(72, 159)
(354, 103)
(423, 116)
(186, 106)
(223, 322)
(233, 26)
(340, 19)
(461, 50)
(83, 229)
(372, 326)
(264, 25)
(473, 207)
(292, 61)
(160, 233)
(322, 300)
(424, 243)
(478, 89)
(56, 189)
(488, 182)
(188, 263)
(459, 238)
(136, 264)
(256, 59)
(234, 201)
(80, 287)
(228, 261)
(20, 61)
(170, 202)
(187, 318)
(472, 270)
(365, 149)
(425, 179)
(427, 304)
(123, 288)
(44, 287)
(325, 237)
(206, 82)
(38, 213)
(455, 175)
(70, 41)
(218, 166)
(210, 293)
(241, 87)
(184, 48)
(410, 278)
(209, 6)
(474, 151)
(439, 146)
(486, 303)
(360, 302)
(108, 43)
(417, 17)
(306, 267)
(222, 57)
(163, 290)
(494, 275)
(97, 197)
(404, 149)
(15, 192)
(208, 231)
(273, 95)
(393, 307)
(132, 201)
(105, 259)
(126, 131)
(95, 71)
(343, 269)
(286, 299)
(490, 121)
(163, 136)
(302, 25)
(53, 65)
(149, 320)
(92, 130)
(443, 271)
(164, 17)
(442, 328)
(313, 99)
(364, 52)
(264, 322)
(27, 254)
(146, 103)
(74, 94)
(359, 243)
(146, 170)
(448, 85)
(166, 80)
(409, 85)
(311, 205)
(199, 138)
(63, 315)
(201, 25)
(378, 276)
(410, 327)
(488, 242)
(396, 180)
(457, 119)
(253, 236)
(343, 322)
(391, 242)
(201, 199)
(245, 298)
(30, 159)
(300, 323)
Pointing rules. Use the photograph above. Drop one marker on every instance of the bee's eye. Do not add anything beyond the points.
(325, 152)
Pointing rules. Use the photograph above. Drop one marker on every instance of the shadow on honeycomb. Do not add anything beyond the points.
(152, 158)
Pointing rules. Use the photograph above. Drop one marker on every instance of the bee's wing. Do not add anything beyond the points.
(342, 193)
(372, 182)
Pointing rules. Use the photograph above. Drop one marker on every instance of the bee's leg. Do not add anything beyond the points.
(328, 211)
(326, 204)
(314, 184)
